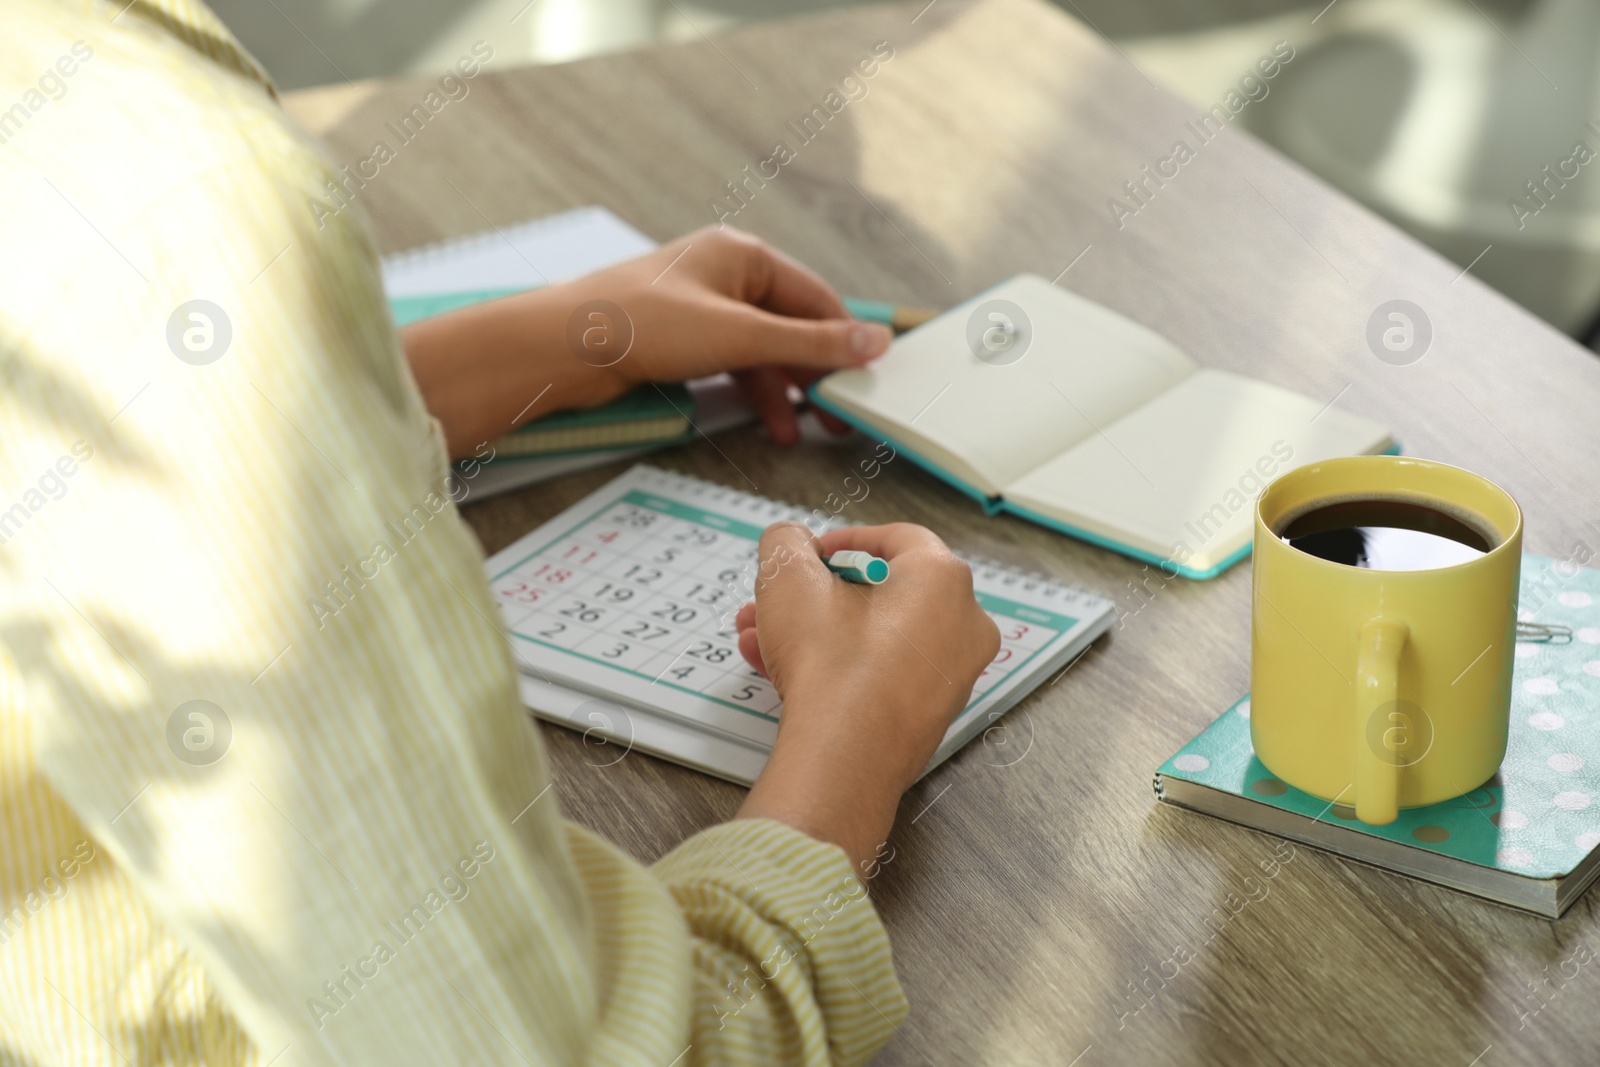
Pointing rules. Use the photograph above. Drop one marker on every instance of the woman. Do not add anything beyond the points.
(241, 831)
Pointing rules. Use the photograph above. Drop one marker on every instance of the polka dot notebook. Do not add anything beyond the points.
(1526, 838)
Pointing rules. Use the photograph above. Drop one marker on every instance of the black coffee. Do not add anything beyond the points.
(1386, 535)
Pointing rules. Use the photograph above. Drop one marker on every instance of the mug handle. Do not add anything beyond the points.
(1379, 645)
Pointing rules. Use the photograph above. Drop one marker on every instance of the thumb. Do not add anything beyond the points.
(767, 338)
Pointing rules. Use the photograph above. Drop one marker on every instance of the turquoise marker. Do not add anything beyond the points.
(862, 568)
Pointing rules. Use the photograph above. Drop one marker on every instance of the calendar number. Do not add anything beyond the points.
(695, 535)
(675, 612)
(635, 518)
(645, 632)
(704, 594)
(709, 652)
(582, 612)
(553, 575)
(522, 593)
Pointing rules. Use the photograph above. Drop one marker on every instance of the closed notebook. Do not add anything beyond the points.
(1526, 838)
(1102, 429)
(648, 415)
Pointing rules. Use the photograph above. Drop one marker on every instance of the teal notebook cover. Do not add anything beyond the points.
(645, 402)
(1538, 819)
(409, 309)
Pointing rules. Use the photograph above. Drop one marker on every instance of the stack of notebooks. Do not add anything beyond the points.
(501, 262)
(1526, 838)
(652, 415)
(437, 278)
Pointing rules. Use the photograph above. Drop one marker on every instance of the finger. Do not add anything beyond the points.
(787, 540)
(750, 649)
(746, 618)
(802, 377)
(888, 541)
(787, 549)
(761, 337)
(768, 392)
(783, 285)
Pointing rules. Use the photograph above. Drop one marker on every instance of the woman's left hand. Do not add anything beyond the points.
(715, 300)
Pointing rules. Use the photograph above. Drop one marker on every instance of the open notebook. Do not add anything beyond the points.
(1102, 428)
(620, 613)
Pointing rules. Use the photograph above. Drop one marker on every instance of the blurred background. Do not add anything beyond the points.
(1471, 124)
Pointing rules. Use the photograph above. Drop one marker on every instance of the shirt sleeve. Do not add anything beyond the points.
(256, 661)
(791, 962)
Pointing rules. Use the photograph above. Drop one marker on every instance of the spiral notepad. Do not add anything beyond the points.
(620, 612)
(524, 255)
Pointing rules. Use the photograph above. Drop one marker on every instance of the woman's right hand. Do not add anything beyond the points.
(871, 676)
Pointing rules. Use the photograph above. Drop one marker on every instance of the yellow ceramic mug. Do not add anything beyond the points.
(1382, 689)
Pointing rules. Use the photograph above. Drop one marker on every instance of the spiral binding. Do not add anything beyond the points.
(776, 510)
(1033, 581)
(472, 242)
(447, 245)
(757, 506)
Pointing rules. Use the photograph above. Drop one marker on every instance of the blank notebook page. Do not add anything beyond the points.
(1156, 473)
(1085, 366)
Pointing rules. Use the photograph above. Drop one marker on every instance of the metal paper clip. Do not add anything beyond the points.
(1544, 633)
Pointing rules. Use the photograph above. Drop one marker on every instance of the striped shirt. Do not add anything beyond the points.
(237, 831)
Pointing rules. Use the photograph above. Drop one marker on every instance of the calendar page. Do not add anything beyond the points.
(630, 595)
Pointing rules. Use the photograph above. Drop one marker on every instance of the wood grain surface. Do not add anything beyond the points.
(1044, 908)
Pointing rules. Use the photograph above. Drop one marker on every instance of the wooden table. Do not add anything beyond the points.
(1035, 902)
